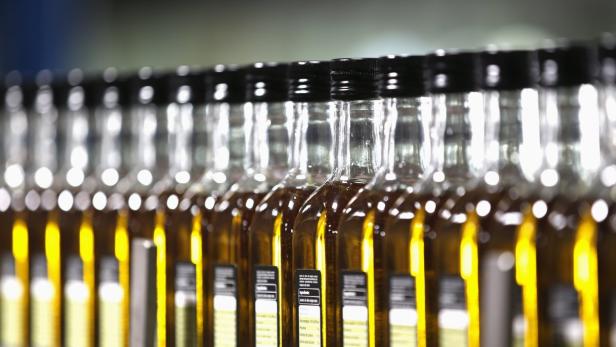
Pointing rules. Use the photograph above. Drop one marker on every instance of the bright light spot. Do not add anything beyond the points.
(99, 201)
(492, 178)
(43, 177)
(79, 156)
(259, 177)
(48, 199)
(430, 206)
(250, 203)
(134, 201)
(151, 202)
(75, 177)
(505, 261)
(210, 202)
(540, 208)
(219, 177)
(14, 175)
(110, 177)
(146, 93)
(483, 208)
(33, 200)
(608, 176)
(182, 177)
(65, 200)
(599, 210)
(438, 176)
(549, 178)
(5, 199)
(144, 177)
(173, 202)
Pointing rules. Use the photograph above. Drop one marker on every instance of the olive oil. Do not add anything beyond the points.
(358, 143)
(271, 230)
(362, 247)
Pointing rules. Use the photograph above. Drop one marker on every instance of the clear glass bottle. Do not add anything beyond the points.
(363, 247)
(221, 145)
(434, 246)
(148, 155)
(266, 161)
(271, 229)
(563, 231)
(106, 96)
(358, 145)
(14, 275)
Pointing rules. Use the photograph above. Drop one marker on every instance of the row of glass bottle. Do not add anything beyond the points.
(350, 202)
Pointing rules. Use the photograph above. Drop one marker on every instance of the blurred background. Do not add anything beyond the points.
(92, 34)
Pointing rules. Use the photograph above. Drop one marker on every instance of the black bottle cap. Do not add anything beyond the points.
(607, 58)
(401, 76)
(309, 81)
(147, 87)
(452, 72)
(267, 82)
(568, 65)
(106, 88)
(186, 85)
(508, 70)
(354, 79)
(225, 83)
(62, 85)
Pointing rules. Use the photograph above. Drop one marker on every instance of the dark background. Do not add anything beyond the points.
(92, 34)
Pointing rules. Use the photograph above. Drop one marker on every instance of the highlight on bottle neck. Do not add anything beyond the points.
(16, 99)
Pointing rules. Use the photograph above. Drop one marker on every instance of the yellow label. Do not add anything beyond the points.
(225, 321)
(402, 336)
(12, 332)
(110, 315)
(452, 337)
(355, 332)
(43, 304)
(185, 326)
(76, 322)
(266, 326)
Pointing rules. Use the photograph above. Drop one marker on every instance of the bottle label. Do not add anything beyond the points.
(76, 304)
(185, 305)
(225, 306)
(402, 311)
(452, 316)
(11, 299)
(110, 298)
(308, 284)
(563, 312)
(354, 309)
(266, 306)
(42, 296)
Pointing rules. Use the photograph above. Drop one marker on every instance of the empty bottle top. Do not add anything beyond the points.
(401, 76)
(186, 85)
(225, 83)
(354, 79)
(508, 70)
(607, 58)
(452, 72)
(267, 82)
(568, 65)
(309, 81)
(147, 87)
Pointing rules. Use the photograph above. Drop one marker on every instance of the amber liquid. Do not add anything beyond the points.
(230, 246)
(271, 236)
(606, 243)
(315, 247)
(362, 248)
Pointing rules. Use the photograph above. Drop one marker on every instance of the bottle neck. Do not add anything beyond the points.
(179, 151)
(457, 138)
(42, 153)
(15, 143)
(570, 131)
(314, 148)
(359, 139)
(149, 133)
(406, 144)
(511, 135)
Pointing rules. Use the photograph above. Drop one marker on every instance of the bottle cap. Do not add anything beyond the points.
(401, 76)
(508, 70)
(568, 65)
(186, 85)
(147, 87)
(309, 81)
(267, 82)
(225, 83)
(452, 72)
(354, 79)
(607, 58)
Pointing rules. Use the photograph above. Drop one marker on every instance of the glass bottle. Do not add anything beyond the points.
(148, 154)
(358, 146)
(221, 138)
(271, 229)
(106, 96)
(363, 247)
(456, 158)
(266, 162)
(14, 281)
(564, 230)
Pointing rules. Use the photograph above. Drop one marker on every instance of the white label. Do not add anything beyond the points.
(12, 318)
(453, 325)
(225, 321)
(403, 327)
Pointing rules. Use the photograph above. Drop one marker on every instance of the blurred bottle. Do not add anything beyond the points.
(364, 248)
(17, 97)
(358, 150)
(107, 97)
(266, 161)
(271, 230)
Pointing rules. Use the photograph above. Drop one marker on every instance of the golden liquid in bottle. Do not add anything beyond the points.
(606, 242)
(229, 279)
(271, 236)
(362, 250)
(315, 248)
